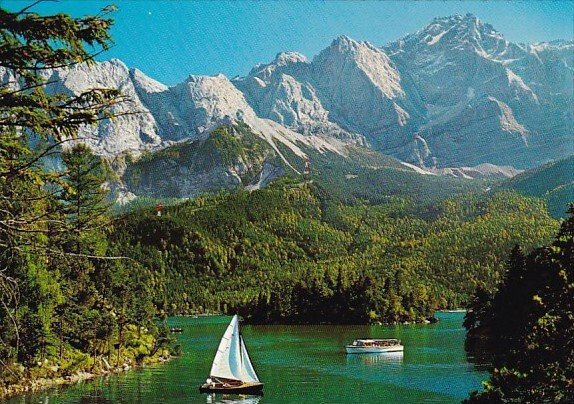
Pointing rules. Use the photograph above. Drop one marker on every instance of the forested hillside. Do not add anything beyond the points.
(553, 182)
(285, 253)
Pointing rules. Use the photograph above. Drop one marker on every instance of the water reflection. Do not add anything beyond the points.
(393, 358)
(299, 364)
(233, 398)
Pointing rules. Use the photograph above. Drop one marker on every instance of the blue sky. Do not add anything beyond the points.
(169, 40)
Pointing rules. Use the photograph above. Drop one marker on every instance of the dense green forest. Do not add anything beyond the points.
(528, 325)
(294, 253)
(68, 302)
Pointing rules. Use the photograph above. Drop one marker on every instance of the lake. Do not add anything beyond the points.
(300, 364)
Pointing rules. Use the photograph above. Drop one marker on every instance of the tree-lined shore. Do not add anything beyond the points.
(70, 305)
(527, 325)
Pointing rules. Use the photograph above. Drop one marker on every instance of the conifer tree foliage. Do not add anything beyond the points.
(294, 253)
(31, 115)
(529, 325)
(84, 200)
(58, 273)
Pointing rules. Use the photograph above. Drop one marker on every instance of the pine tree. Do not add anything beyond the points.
(35, 122)
(510, 306)
(539, 366)
(84, 199)
(84, 206)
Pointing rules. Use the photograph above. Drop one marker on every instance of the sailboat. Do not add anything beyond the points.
(232, 371)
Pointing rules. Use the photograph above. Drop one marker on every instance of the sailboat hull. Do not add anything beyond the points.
(245, 388)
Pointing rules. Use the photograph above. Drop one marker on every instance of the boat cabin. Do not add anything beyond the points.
(376, 342)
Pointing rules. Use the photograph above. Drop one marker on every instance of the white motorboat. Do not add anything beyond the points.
(370, 345)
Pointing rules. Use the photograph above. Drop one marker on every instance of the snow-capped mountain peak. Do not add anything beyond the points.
(457, 33)
(286, 58)
(453, 93)
(345, 44)
(145, 82)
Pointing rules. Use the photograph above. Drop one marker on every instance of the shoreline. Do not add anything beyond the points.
(428, 320)
(33, 386)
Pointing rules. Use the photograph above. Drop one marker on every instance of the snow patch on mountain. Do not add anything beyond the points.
(484, 170)
(146, 83)
(417, 169)
(508, 121)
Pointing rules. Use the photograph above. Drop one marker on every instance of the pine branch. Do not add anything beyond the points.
(25, 9)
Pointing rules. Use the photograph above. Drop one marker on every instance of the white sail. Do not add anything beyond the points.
(227, 353)
(247, 372)
(231, 360)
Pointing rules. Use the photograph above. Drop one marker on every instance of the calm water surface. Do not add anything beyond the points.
(300, 364)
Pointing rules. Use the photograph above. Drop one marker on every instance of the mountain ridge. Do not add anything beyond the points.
(454, 94)
(552, 182)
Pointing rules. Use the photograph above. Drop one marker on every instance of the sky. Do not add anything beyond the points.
(169, 40)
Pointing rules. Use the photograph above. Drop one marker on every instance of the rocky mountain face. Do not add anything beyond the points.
(350, 88)
(486, 99)
(160, 116)
(135, 131)
(231, 156)
(454, 93)
(454, 98)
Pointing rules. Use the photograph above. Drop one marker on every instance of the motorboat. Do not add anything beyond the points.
(371, 345)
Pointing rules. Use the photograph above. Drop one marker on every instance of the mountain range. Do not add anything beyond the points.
(454, 98)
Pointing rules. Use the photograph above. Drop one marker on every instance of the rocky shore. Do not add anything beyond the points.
(28, 385)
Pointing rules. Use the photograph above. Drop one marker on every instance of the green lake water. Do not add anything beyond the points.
(300, 364)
